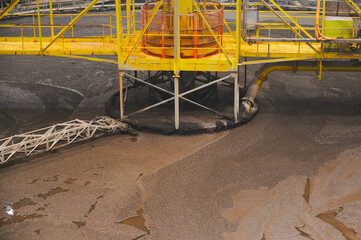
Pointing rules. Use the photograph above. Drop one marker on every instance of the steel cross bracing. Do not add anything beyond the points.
(56, 136)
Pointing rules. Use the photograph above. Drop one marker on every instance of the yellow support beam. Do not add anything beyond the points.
(71, 24)
(274, 61)
(12, 4)
(118, 9)
(86, 58)
(238, 28)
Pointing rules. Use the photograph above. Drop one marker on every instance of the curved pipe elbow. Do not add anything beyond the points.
(262, 74)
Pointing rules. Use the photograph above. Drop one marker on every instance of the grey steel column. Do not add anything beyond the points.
(236, 96)
(121, 103)
(176, 63)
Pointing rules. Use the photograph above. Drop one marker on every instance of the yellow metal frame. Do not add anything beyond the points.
(125, 44)
(8, 9)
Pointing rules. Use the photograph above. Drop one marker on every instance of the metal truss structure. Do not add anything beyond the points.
(56, 136)
(242, 39)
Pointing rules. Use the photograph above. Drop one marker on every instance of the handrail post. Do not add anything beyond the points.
(39, 25)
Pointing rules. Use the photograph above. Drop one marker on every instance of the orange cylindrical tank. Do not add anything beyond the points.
(196, 40)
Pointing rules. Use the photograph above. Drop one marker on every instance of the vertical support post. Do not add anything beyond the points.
(238, 29)
(128, 17)
(176, 102)
(133, 13)
(236, 96)
(323, 16)
(111, 27)
(72, 27)
(323, 23)
(22, 38)
(176, 62)
(119, 27)
(163, 37)
(51, 17)
(121, 104)
(33, 15)
(195, 36)
(39, 25)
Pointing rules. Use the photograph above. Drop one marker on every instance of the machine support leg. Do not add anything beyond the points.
(176, 102)
(121, 106)
(236, 97)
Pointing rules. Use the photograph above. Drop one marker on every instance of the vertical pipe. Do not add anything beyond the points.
(236, 96)
(176, 62)
(51, 17)
(39, 25)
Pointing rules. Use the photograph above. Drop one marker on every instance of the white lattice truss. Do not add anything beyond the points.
(56, 136)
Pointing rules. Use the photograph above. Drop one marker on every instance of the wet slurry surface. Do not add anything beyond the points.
(293, 172)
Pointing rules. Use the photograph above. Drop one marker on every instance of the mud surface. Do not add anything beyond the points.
(293, 172)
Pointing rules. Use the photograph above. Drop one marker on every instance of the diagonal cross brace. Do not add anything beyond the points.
(290, 18)
(81, 14)
(353, 6)
(289, 26)
(180, 96)
(9, 8)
